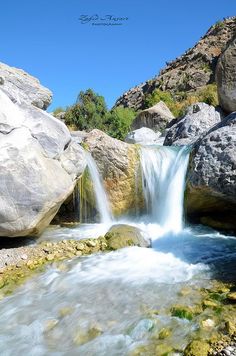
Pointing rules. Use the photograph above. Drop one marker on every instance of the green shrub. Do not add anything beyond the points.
(88, 113)
(119, 122)
(159, 95)
(178, 102)
(165, 96)
(208, 95)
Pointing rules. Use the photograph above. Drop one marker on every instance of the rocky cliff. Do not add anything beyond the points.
(22, 87)
(191, 71)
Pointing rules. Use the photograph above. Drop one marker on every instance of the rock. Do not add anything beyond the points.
(163, 350)
(199, 118)
(207, 324)
(21, 87)
(164, 333)
(210, 304)
(118, 164)
(142, 329)
(193, 70)
(182, 312)
(52, 135)
(232, 296)
(226, 78)
(79, 136)
(230, 327)
(197, 348)
(156, 118)
(39, 167)
(144, 136)
(60, 115)
(211, 179)
(84, 336)
(121, 235)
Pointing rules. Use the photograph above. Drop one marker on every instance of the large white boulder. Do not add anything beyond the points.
(22, 87)
(39, 167)
(143, 136)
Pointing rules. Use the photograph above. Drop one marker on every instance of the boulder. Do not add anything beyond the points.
(211, 180)
(143, 136)
(21, 87)
(118, 164)
(156, 118)
(199, 118)
(60, 115)
(226, 78)
(79, 136)
(122, 235)
(39, 167)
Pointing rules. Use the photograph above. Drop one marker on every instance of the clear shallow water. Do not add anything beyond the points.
(109, 304)
(105, 304)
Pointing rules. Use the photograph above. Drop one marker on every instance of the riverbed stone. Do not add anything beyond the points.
(122, 235)
(197, 348)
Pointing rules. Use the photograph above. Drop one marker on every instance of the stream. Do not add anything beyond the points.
(115, 303)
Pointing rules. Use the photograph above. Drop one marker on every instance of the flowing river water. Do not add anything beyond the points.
(118, 302)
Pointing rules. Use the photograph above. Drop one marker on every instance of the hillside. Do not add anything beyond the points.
(193, 70)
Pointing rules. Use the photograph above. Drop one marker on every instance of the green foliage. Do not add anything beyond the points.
(88, 113)
(165, 96)
(119, 122)
(209, 95)
(181, 100)
(159, 95)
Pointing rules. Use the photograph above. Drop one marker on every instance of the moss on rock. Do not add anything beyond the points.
(197, 348)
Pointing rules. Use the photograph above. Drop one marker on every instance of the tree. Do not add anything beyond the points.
(89, 112)
(119, 122)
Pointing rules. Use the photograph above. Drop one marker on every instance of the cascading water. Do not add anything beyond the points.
(163, 175)
(102, 204)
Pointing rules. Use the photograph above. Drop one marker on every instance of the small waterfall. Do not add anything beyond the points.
(102, 204)
(163, 174)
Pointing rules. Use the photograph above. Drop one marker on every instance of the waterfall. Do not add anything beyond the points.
(102, 204)
(163, 176)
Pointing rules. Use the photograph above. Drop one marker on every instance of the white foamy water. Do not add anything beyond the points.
(102, 203)
(163, 171)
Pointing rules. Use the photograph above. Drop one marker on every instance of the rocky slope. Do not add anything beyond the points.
(194, 69)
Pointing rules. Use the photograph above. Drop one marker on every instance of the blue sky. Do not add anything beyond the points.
(46, 38)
